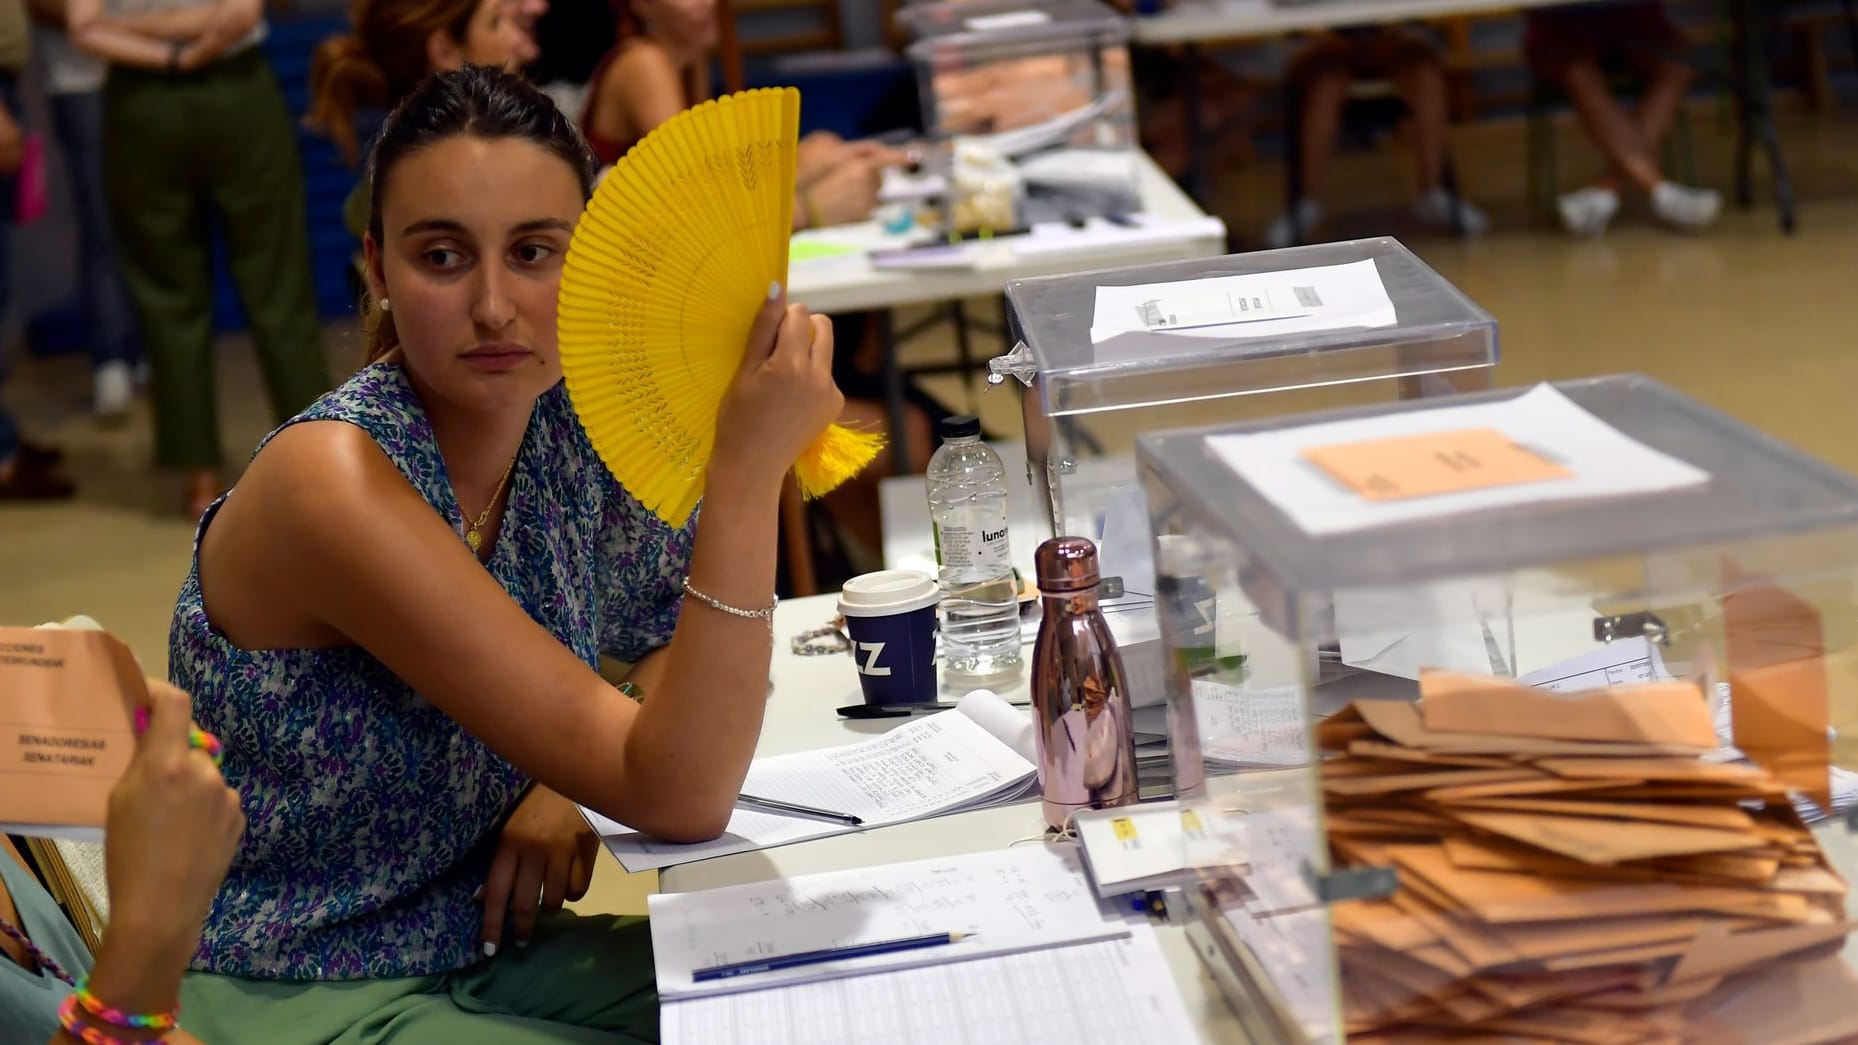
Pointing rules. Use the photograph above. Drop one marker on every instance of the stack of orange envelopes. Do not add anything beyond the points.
(1572, 870)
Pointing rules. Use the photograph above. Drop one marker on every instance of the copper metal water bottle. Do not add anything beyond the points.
(1080, 696)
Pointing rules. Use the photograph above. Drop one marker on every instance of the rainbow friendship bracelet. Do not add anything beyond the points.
(74, 1024)
(197, 738)
(163, 1021)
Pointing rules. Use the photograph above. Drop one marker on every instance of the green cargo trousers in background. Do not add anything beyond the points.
(179, 147)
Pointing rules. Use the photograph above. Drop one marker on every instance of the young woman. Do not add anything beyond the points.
(393, 623)
(173, 825)
(395, 44)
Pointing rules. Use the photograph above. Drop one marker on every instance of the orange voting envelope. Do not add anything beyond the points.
(1434, 463)
(67, 699)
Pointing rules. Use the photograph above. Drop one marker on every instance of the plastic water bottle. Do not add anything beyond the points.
(980, 599)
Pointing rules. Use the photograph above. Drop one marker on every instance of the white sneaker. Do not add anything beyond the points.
(114, 387)
(1436, 209)
(1685, 207)
(1587, 212)
(1286, 231)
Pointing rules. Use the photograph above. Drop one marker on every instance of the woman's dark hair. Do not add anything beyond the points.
(473, 102)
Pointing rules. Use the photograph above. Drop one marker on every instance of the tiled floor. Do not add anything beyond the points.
(1763, 326)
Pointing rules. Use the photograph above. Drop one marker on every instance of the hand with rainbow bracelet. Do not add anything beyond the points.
(171, 833)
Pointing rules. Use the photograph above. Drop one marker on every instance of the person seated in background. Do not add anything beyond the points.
(1323, 72)
(658, 69)
(429, 562)
(173, 825)
(1570, 47)
(357, 76)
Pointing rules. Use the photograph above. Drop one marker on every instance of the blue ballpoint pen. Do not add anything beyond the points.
(829, 954)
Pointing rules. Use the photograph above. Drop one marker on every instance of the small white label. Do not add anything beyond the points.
(1007, 20)
(985, 544)
(1220, 307)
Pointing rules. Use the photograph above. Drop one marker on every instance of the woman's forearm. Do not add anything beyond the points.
(179, 23)
(138, 969)
(690, 746)
(124, 47)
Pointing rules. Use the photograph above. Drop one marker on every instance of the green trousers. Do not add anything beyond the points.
(581, 979)
(178, 149)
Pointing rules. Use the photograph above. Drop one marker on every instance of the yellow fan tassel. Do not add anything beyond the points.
(838, 454)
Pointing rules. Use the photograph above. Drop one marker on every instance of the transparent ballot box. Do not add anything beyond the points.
(1361, 321)
(1510, 716)
(1036, 103)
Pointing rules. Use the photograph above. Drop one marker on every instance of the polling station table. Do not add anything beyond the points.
(1179, 231)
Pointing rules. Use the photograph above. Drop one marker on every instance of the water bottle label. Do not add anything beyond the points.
(960, 545)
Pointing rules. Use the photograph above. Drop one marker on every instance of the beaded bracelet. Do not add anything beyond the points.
(197, 738)
(162, 1021)
(74, 1025)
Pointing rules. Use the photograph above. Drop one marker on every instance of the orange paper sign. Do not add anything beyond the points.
(1408, 466)
(65, 703)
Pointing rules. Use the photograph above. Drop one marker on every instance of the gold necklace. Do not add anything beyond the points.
(472, 537)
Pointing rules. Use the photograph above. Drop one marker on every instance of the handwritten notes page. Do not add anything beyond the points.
(1014, 900)
(945, 763)
(1107, 993)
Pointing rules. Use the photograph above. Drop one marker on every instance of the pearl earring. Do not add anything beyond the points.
(386, 305)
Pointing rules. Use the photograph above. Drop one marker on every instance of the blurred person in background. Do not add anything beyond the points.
(356, 77)
(1573, 47)
(1323, 72)
(194, 126)
(27, 472)
(524, 14)
(659, 68)
(74, 92)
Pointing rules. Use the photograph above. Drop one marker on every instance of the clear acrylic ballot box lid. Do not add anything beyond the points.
(1364, 321)
(1038, 105)
(1451, 692)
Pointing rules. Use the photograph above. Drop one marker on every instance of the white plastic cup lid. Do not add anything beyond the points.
(888, 592)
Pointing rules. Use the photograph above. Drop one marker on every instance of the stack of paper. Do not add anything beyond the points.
(1571, 869)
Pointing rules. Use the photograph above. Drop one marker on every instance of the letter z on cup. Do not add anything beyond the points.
(890, 618)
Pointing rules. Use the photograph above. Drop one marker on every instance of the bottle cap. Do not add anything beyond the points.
(960, 426)
(1067, 564)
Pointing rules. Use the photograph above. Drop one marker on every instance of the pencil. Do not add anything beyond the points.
(796, 809)
(829, 954)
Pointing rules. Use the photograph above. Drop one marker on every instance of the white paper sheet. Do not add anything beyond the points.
(1252, 727)
(1012, 900)
(1602, 460)
(924, 767)
(1620, 663)
(1107, 993)
(1376, 633)
(1226, 308)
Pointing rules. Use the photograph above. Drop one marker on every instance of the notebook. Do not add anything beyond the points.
(1009, 900)
(1110, 992)
(976, 754)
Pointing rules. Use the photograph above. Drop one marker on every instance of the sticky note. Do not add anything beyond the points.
(1404, 467)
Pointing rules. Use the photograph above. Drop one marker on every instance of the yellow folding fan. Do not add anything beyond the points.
(665, 274)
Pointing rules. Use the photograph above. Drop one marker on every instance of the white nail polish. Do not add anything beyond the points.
(490, 949)
(774, 290)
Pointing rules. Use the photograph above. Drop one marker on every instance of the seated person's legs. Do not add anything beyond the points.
(1568, 48)
(1418, 72)
(1321, 73)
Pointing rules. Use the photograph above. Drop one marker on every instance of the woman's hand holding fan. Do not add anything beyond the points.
(782, 398)
(668, 271)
